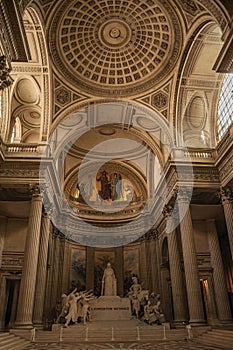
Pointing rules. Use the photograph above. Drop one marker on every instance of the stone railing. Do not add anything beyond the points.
(200, 154)
(22, 149)
(194, 154)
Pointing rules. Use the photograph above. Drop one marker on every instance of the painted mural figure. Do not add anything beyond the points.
(105, 191)
(114, 182)
(109, 282)
(119, 187)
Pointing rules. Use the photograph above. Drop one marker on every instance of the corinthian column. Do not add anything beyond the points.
(41, 272)
(226, 196)
(28, 282)
(177, 283)
(190, 260)
(220, 287)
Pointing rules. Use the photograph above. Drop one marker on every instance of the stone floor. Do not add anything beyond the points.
(171, 345)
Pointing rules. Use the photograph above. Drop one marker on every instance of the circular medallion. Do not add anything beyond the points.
(114, 33)
(115, 47)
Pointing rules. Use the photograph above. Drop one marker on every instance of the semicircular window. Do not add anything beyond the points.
(225, 106)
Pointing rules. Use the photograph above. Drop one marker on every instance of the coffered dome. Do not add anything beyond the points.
(117, 47)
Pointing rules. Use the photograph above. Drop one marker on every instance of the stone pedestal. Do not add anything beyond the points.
(110, 308)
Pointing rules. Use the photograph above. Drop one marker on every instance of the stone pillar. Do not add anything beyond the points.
(226, 196)
(143, 271)
(55, 272)
(148, 263)
(177, 283)
(14, 303)
(41, 272)
(3, 224)
(28, 282)
(47, 307)
(90, 264)
(3, 302)
(154, 265)
(119, 260)
(194, 296)
(220, 287)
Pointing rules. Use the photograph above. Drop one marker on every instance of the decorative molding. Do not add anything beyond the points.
(12, 30)
(12, 261)
(203, 260)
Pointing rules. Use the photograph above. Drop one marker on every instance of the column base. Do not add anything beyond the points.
(179, 323)
(38, 326)
(197, 323)
(23, 325)
(224, 322)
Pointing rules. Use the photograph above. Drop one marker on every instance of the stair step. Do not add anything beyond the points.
(15, 344)
(219, 338)
(215, 345)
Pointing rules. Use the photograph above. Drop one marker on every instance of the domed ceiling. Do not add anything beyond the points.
(115, 47)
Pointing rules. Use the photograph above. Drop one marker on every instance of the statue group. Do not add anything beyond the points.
(145, 306)
(74, 307)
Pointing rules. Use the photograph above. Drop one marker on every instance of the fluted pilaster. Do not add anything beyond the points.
(90, 263)
(226, 196)
(28, 282)
(177, 282)
(220, 287)
(120, 271)
(190, 260)
(41, 272)
(3, 223)
(55, 269)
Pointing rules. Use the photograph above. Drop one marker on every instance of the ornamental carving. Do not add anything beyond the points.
(226, 195)
(159, 100)
(12, 262)
(62, 96)
(190, 6)
(5, 78)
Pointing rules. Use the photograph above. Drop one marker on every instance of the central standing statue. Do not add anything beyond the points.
(109, 282)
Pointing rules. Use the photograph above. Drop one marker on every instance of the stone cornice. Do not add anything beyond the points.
(224, 62)
(12, 30)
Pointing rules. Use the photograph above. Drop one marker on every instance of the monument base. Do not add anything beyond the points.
(110, 308)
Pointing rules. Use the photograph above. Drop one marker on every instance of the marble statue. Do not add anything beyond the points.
(84, 306)
(153, 313)
(73, 308)
(135, 288)
(109, 282)
(64, 307)
(134, 296)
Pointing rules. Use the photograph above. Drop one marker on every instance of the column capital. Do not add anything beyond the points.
(168, 210)
(34, 190)
(226, 195)
(183, 194)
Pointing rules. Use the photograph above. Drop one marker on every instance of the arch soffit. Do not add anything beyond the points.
(191, 62)
(155, 125)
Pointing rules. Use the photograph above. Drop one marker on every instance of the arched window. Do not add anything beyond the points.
(225, 106)
(16, 131)
(0, 107)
